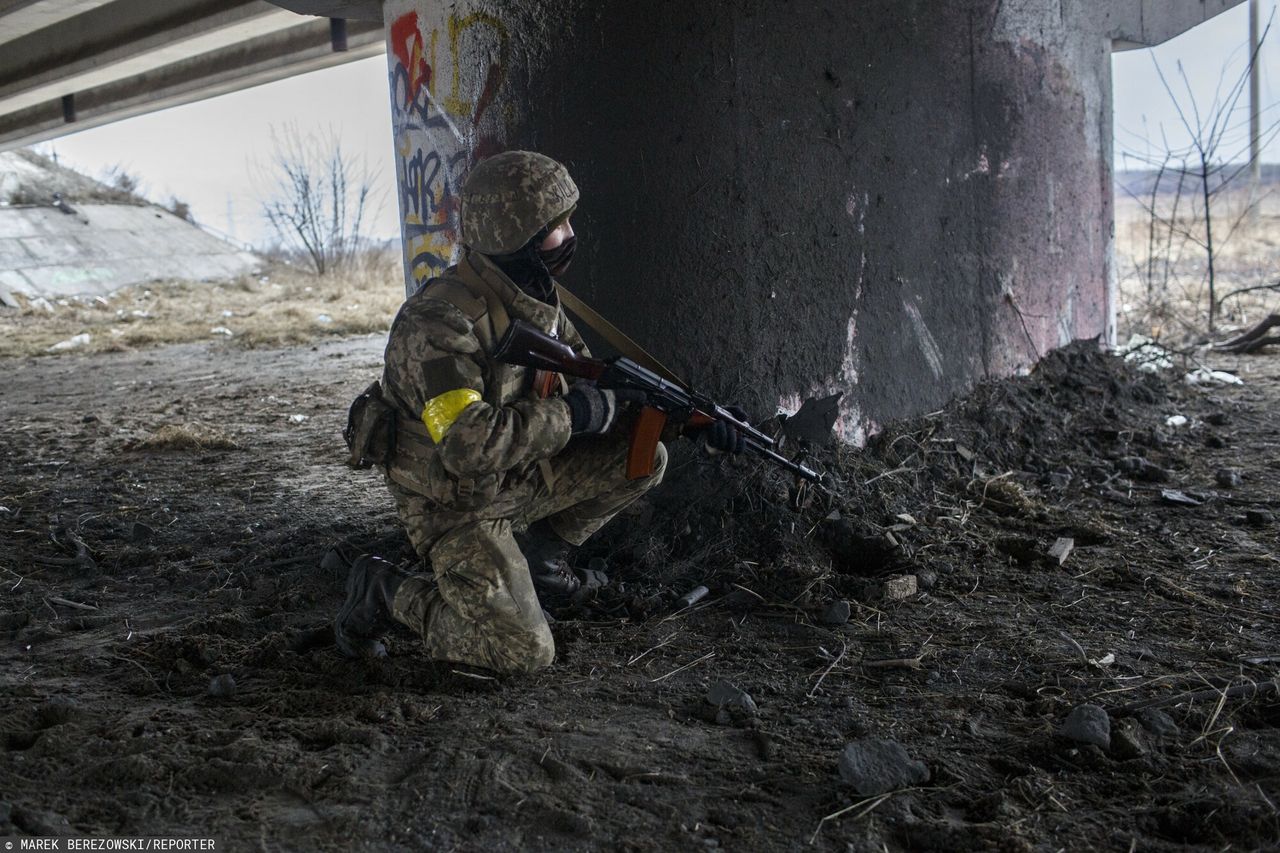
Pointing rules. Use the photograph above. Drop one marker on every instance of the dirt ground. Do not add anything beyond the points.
(165, 517)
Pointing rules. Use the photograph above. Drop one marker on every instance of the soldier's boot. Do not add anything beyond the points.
(365, 615)
(548, 558)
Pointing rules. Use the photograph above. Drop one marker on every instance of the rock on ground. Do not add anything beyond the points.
(876, 766)
(1088, 724)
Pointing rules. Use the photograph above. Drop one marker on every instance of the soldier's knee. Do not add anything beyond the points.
(529, 651)
(543, 651)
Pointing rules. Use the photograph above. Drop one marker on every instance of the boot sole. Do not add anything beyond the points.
(350, 645)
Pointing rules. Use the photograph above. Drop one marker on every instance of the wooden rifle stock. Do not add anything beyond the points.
(645, 434)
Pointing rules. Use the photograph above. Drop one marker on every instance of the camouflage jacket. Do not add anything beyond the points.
(468, 425)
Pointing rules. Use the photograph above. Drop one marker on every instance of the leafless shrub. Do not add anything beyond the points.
(1195, 206)
(180, 209)
(320, 199)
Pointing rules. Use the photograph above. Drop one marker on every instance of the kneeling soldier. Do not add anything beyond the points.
(481, 447)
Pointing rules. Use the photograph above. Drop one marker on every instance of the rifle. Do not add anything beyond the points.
(526, 346)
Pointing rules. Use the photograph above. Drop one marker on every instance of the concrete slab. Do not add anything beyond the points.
(103, 247)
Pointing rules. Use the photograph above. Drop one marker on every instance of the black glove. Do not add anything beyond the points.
(592, 410)
(721, 437)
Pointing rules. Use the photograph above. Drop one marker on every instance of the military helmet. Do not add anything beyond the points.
(509, 197)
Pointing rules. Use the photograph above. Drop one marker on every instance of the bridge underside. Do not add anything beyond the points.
(68, 65)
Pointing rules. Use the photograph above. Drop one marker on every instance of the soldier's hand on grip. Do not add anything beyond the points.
(592, 410)
(720, 437)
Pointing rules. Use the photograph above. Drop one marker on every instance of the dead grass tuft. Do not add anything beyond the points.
(189, 436)
(286, 307)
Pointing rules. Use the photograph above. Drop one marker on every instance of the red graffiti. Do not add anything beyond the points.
(406, 44)
(492, 81)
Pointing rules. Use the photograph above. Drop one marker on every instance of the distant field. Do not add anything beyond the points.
(287, 306)
(1163, 270)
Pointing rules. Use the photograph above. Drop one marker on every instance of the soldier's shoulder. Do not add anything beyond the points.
(432, 318)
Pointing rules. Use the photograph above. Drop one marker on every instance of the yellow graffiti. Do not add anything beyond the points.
(455, 103)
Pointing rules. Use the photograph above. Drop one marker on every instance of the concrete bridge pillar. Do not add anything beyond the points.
(891, 198)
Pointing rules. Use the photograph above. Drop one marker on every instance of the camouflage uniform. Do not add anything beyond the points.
(480, 452)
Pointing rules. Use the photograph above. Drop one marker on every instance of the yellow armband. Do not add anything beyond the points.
(440, 412)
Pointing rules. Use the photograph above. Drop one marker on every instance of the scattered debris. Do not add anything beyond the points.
(1146, 354)
(900, 587)
(691, 597)
(297, 419)
(324, 319)
(874, 766)
(1175, 421)
(73, 342)
(1178, 498)
(1087, 724)
(1061, 549)
(1206, 376)
(222, 330)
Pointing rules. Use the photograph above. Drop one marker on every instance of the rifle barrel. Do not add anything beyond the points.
(782, 461)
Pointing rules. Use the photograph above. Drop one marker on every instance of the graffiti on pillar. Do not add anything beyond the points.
(444, 83)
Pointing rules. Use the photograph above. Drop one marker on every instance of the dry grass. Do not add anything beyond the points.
(1164, 284)
(189, 436)
(288, 306)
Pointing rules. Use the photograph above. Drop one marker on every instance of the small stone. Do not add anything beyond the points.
(1218, 418)
(222, 686)
(1060, 479)
(57, 710)
(875, 766)
(1258, 517)
(1088, 724)
(1126, 740)
(140, 532)
(926, 579)
(1158, 723)
(729, 697)
(1214, 441)
(836, 613)
(1227, 478)
(900, 587)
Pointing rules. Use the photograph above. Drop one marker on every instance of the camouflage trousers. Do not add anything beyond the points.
(480, 608)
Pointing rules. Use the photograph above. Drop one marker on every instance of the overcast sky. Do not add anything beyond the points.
(205, 153)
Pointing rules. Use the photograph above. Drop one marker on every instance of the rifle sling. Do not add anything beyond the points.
(615, 337)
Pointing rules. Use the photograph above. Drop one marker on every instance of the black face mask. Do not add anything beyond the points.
(557, 260)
